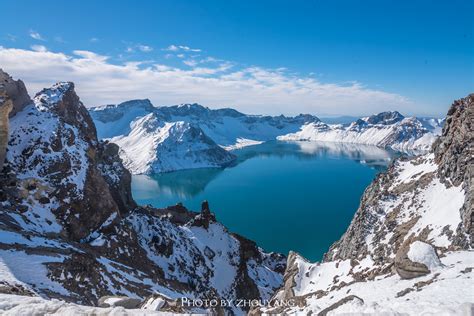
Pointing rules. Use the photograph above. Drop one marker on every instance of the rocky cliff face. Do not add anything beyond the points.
(13, 98)
(70, 229)
(448, 168)
(454, 153)
(410, 238)
(53, 151)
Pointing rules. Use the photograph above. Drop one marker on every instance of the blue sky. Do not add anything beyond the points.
(323, 57)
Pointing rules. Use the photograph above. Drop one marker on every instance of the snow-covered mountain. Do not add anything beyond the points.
(409, 247)
(231, 129)
(154, 146)
(70, 229)
(160, 139)
(386, 129)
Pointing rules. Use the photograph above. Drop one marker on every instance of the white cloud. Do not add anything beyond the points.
(190, 62)
(249, 89)
(93, 40)
(90, 56)
(35, 35)
(39, 48)
(188, 49)
(145, 48)
(175, 48)
(172, 48)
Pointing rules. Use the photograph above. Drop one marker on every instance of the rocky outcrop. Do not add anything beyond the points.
(13, 98)
(339, 303)
(454, 153)
(406, 268)
(55, 142)
(6, 106)
(16, 92)
(116, 175)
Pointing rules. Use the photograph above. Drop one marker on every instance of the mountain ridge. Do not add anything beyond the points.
(70, 229)
(231, 129)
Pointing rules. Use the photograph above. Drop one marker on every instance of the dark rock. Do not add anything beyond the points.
(44, 200)
(117, 176)
(204, 218)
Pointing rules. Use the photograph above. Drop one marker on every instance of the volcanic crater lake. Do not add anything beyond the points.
(285, 196)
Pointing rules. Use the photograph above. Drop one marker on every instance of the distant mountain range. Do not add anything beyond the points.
(204, 136)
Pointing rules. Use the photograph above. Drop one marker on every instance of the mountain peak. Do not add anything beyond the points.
(384, 118)
(48, 97)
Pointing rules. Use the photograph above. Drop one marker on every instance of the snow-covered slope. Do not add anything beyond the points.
(227, 127)
(70, 230)
(153, 146)
(409, 247)
(386, 129)
(197, 135)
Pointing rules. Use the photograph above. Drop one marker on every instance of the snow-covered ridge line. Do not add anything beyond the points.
(230, 129)
(51, 96)
(186, 136)
(386, 129)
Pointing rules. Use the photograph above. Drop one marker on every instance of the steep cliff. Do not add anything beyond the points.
(70, 229)
(13, 98)
(408, 248)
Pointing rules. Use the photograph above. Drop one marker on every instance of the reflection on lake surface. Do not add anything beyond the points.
(284, 195)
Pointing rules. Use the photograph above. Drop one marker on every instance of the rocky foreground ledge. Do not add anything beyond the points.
(409, 247)
(70, 229)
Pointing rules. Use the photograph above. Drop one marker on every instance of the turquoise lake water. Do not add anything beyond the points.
(285, 196)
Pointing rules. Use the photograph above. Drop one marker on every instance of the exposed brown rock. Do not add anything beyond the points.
(406, 268)
(339, 303)
(6, 106)
(13, 98)
(16, 92)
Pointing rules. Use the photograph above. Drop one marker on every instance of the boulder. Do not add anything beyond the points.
(415, 259)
